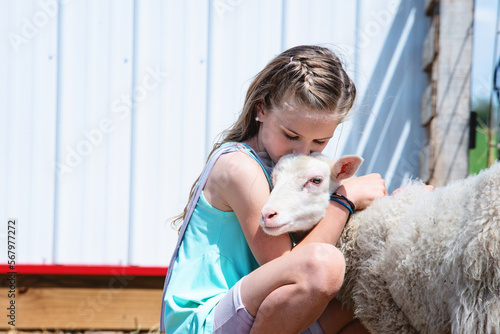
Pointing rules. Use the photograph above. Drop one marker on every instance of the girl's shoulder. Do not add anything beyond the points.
(235, 176)
(237, 165)
(240, 158)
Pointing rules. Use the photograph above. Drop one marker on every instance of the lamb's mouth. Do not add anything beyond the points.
(274, 230)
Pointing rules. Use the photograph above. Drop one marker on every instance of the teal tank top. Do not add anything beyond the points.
(212, 255)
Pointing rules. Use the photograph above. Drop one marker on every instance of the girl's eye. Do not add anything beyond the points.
(290, 137)
(317, 180)
(320, 142)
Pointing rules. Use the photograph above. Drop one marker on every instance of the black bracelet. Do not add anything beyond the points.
(344, 204)
(342, 197)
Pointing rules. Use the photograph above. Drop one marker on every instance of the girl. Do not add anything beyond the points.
(227, 275)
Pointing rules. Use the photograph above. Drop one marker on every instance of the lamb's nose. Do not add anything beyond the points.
(267, 216)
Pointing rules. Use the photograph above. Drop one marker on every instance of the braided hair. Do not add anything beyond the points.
(312, 75)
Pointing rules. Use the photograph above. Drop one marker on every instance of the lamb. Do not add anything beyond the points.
(418, 261)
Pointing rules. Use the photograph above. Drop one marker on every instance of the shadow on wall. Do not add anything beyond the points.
(389, 116)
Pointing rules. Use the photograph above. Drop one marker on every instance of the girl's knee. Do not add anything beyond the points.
(323, 267)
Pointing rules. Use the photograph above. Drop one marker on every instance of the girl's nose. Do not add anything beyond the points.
(301, 150)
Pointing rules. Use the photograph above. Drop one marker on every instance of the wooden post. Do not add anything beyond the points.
(447, 57)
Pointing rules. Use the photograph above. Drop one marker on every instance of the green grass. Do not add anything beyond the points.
(478, 157)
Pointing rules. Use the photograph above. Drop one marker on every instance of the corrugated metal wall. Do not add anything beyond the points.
(109, 108)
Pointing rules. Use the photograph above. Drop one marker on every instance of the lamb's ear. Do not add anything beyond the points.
(345, 167)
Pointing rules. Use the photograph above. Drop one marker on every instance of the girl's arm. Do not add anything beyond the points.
(242, 187)
(362, 191)
(237, 183)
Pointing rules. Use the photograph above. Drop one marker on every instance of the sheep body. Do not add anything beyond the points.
(426, 262)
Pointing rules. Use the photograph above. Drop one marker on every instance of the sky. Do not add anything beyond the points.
(484, 40)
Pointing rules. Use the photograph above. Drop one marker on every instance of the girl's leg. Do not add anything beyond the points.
(336, 319)
(289, 293)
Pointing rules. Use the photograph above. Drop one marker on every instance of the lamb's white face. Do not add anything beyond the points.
(301, 193)
(299, 197)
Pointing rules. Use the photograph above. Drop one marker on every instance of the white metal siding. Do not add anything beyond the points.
(109, 108)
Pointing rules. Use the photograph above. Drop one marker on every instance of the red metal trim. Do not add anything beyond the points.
(63, 269)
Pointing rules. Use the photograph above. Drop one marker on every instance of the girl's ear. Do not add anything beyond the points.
(345, 167)
(260, 109)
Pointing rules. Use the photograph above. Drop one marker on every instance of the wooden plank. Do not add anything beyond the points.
(426, 110)
(431, 45)
(424, 163)
(85, 309)
(24, 282)
(449, 128)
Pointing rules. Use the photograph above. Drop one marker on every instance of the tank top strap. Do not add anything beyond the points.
(267, 169)
(223, 149)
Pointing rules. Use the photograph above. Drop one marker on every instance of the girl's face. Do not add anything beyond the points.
(293, 129)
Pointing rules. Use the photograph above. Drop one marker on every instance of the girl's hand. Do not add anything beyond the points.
(363, 190)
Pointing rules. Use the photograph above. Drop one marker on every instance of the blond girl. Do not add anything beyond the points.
(227, 275)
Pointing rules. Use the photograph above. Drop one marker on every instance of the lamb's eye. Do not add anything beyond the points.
(317, 180)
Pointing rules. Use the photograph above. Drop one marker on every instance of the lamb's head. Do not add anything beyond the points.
(302, 185)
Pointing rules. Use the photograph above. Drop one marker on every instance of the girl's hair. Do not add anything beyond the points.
(312, 75)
